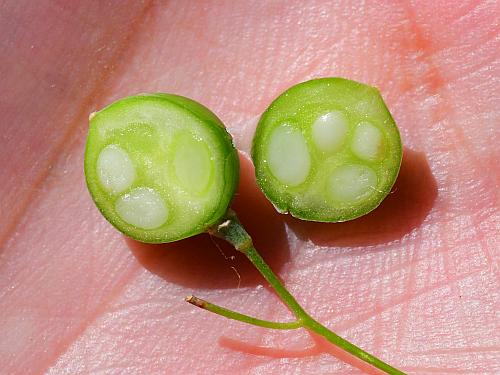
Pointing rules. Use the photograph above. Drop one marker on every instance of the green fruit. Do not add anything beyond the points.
(327, 150)
(160, 167)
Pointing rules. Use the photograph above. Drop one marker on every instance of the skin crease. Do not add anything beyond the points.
(420, 291)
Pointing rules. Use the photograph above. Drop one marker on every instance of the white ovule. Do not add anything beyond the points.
(115, 169)
(288, 156)
(329, 131)
(143, 208)
(352, 182)
(367, 141)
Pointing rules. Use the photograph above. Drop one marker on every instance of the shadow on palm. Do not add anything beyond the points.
(203, 262)
(404, 209)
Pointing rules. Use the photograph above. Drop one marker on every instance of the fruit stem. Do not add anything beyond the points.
(230, 314)
(233, 232)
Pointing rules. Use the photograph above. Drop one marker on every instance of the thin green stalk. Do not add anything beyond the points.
(309, 322)
(232, 231)
(230, 314)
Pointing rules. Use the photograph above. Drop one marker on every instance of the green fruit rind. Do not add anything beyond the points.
(311, 197)
(183, 158)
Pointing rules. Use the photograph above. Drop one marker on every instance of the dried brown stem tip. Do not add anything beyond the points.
(196, 301)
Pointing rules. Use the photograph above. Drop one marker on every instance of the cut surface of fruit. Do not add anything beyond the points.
(160, 167)
(327, 150)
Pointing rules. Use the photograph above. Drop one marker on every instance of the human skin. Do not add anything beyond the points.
(416, 282)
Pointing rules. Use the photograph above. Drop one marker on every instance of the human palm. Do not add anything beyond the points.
(415, 282)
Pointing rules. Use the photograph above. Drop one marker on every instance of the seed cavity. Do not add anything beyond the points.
(115, 169)
(192, 163)
(329, 131)
(143, 208)
(288, 156)
(367, 141)
(352, 182)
